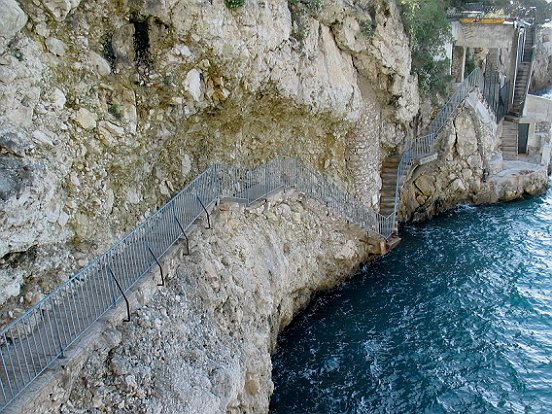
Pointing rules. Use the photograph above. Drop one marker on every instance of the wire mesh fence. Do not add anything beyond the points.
(34, 341)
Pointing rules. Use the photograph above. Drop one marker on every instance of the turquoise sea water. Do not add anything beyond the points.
(457, 319)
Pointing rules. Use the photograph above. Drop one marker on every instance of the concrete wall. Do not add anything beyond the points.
(538, 114)
(537, 109)
(483, 35)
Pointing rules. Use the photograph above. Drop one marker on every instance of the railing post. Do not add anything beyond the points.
(183, 233)
(206, 212)
(158, 264)
(58, 337)
(122, 292)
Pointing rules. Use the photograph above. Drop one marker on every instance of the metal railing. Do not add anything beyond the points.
(529, 59)
(35, 340)
(470, 9)
(513, 11)
(418, 148)
(31, 343)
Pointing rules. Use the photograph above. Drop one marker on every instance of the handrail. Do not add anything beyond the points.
(483, 10)
(31, 343)
(421, 147)
(519, 59)
(533, 38)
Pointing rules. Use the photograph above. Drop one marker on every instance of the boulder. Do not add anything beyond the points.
(192, 84)
(55, 46)
(13, 20)
(98, 64)
(86, 119)
(60, 8)
(426, 184)
(14, 176)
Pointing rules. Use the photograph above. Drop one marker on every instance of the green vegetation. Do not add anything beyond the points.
(234, 4)
(470, 64)
(427, 25)
(300, 11)
(115, 111)
(167, 81)
(368, 27)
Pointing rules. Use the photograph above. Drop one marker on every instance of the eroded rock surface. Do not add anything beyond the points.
(203, 343)
(115, 106)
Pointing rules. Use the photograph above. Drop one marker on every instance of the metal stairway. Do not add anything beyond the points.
(525, 59)
(520, 91)
(416, 150)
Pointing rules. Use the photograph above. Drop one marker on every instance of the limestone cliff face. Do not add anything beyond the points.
(108, 108)
(202, 344)
(542, 70)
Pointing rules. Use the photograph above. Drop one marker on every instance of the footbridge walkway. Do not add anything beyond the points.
(34, 341)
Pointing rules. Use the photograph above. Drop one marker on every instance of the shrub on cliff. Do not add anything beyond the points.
(300, 10)
(426, 23)
(234, 4)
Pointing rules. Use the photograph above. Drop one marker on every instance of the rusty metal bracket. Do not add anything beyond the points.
(158, 264)
(183, 233)
(206, 212)
(122, 293)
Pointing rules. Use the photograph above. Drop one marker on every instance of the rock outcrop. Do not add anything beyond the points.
(542, 69)
(202, 344)
(109, 108)
(469, 169)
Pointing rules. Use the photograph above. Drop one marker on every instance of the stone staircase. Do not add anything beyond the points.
(389, 184)
(418, 151)
(509, 138)
(530, 41)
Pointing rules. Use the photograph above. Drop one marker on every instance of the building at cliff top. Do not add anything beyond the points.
(503, 47)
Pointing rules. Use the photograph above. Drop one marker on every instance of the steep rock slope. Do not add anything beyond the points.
(203, 343)
(108, 108)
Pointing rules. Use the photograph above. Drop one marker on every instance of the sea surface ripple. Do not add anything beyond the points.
(457, 319)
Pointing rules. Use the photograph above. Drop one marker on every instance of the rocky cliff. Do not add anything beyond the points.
(469, 168)
(202, 344)
(108, 108)
(542, 70)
